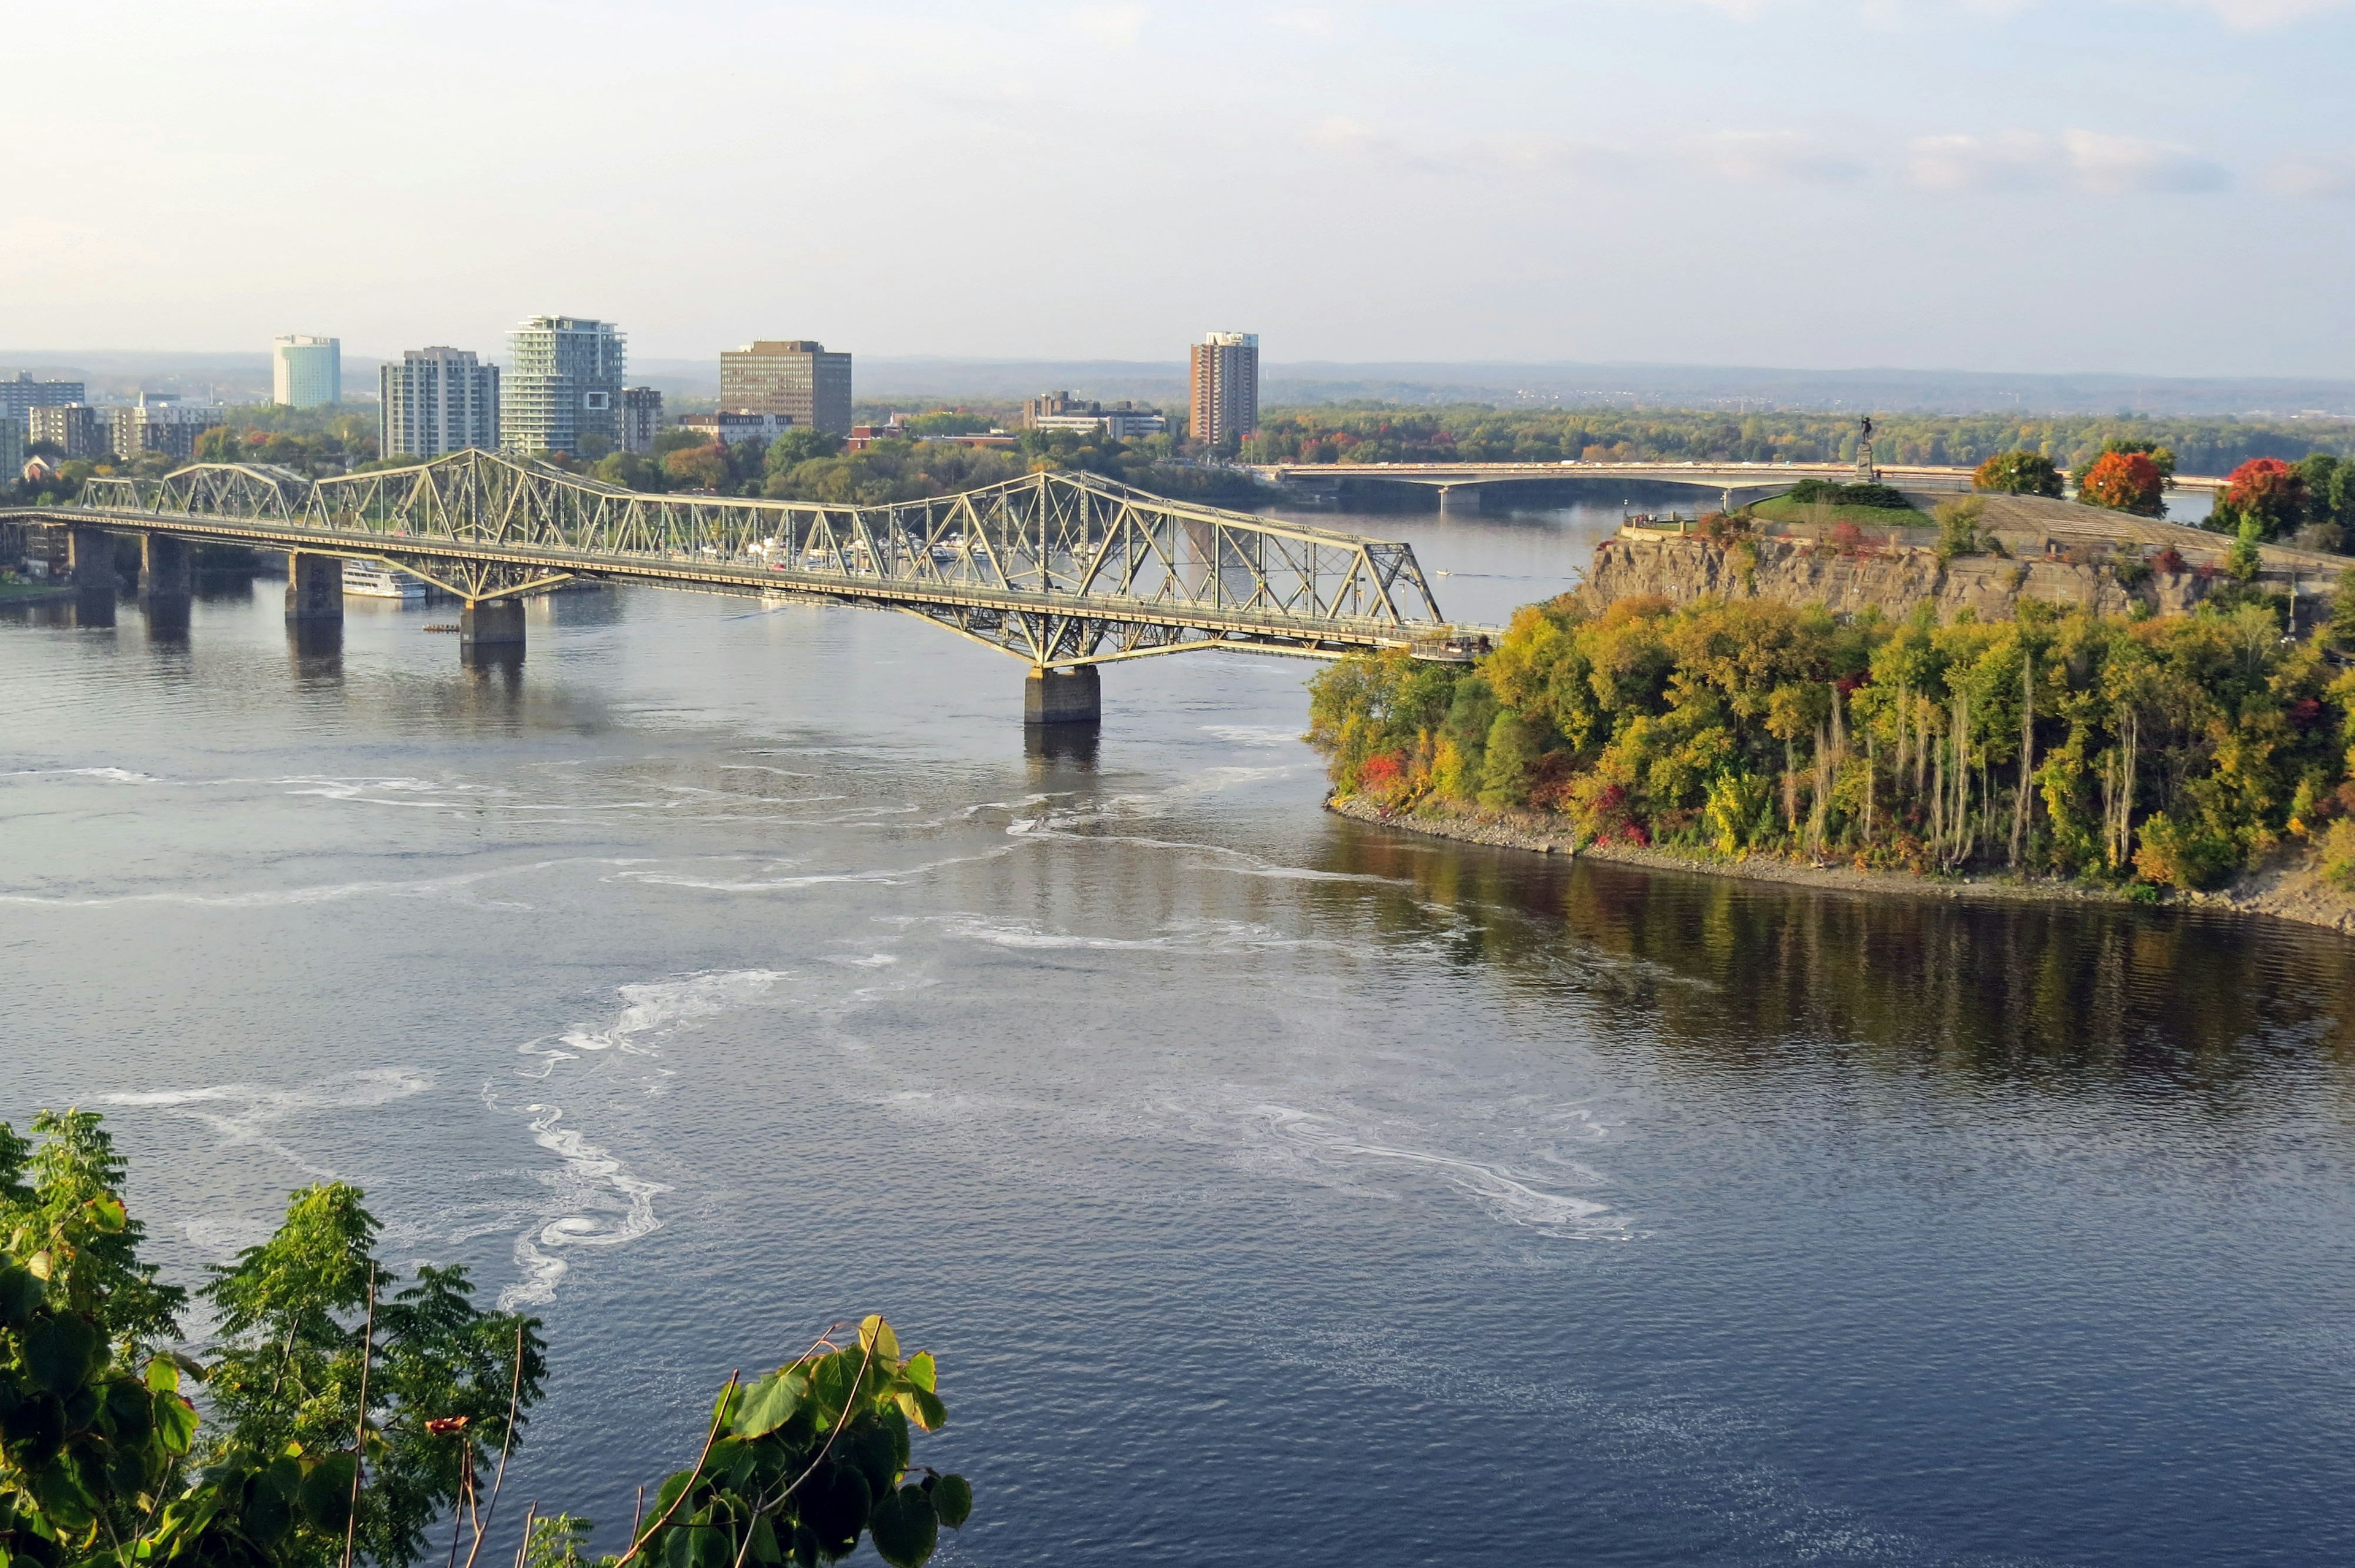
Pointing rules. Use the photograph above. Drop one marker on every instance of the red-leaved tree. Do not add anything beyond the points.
(2270, 491)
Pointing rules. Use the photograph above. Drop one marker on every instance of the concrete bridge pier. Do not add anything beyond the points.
(1459, 497)
(89, 554)
(166, 584)
(1063, 695)
(315, 590)
(491, 629)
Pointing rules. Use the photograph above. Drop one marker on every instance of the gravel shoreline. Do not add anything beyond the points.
(2291, 889)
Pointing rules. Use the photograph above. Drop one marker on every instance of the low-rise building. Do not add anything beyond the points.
(730, 427)
(642, 418)
(76, 430)
(1122, 421)
(159, 421)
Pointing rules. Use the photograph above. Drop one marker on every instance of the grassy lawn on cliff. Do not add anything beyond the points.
(1789, 512)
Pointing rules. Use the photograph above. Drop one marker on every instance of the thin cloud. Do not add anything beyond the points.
(2013, 160)
(1118, 26)
(2129, 166)
(1770, 157)
(2329, 177)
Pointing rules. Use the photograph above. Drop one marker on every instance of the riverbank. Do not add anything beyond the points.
(2290, 889)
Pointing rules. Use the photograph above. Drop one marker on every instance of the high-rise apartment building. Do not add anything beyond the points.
(306, 372)
(795, 378)
(159, 421)
(12, 453)
(433, 401)
(21, 396)
(1226, 387)
(77, 430)
(563, 385)
(641, 419)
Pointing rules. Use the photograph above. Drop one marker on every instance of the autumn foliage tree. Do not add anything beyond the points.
(2125, 482)
(2018, 474)
(2266, 494)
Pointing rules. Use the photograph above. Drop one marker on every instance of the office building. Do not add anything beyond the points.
(796, 378)
(563, 385)
(730, 426)
(1226, 387)
(641, 419)
(1121, 420)
(433, 401)
(306, 372)
(76, 430)
(159, 421)
(21, 396)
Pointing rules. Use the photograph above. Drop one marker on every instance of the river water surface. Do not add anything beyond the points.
(1272, 1189)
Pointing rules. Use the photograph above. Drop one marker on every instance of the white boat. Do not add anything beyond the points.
(372, 580)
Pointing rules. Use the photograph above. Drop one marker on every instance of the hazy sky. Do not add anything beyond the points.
(2152, 186)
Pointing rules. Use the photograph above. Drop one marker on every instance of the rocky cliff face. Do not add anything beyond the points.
(2056, 551)
(1892, 580)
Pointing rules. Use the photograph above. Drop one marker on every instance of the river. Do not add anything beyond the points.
(1272, 1190)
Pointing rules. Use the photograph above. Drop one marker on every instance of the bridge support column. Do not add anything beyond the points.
(315, 589)
(492, 626)
(1063, 695)
(1459, 497)
(90, 555)
(165, 585)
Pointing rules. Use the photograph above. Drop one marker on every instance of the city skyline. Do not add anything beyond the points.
(1589, 181)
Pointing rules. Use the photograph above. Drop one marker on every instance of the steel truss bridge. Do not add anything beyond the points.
(1064, 570)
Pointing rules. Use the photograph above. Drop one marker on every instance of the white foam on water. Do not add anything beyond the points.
(1493, 1187)
(1183, 936)
(658, 1007)
(456, 886)
(585, 1186)
(597, 1201)
(888, 876)
(243, 1113)
(1269, 735)
(111, 775)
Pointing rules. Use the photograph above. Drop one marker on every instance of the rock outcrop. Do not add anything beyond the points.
(2056, 551)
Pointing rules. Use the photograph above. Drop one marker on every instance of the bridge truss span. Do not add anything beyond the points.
(1062, 569)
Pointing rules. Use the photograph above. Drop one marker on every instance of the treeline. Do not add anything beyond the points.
(2167, 751)
(1480, 434)
(809, 465)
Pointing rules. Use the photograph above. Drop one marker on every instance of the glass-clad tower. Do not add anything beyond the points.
(563, 385)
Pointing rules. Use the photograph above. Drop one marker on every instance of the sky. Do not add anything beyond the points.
(2150, 187)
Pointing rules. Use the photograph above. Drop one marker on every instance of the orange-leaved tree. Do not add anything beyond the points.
(2125, 482)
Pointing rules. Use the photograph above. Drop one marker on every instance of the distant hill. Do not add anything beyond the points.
(245, 377)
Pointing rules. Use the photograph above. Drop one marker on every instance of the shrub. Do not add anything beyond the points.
(1958, 529)
(1808, 491)
(2339, 855)
(2182, 855)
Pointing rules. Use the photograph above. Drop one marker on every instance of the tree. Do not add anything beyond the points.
(105, 1463)
(2018, 473)
(2267, 492)
(2125, 482)
(699, 467)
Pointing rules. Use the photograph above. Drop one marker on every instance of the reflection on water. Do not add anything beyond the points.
(1259, 1177)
